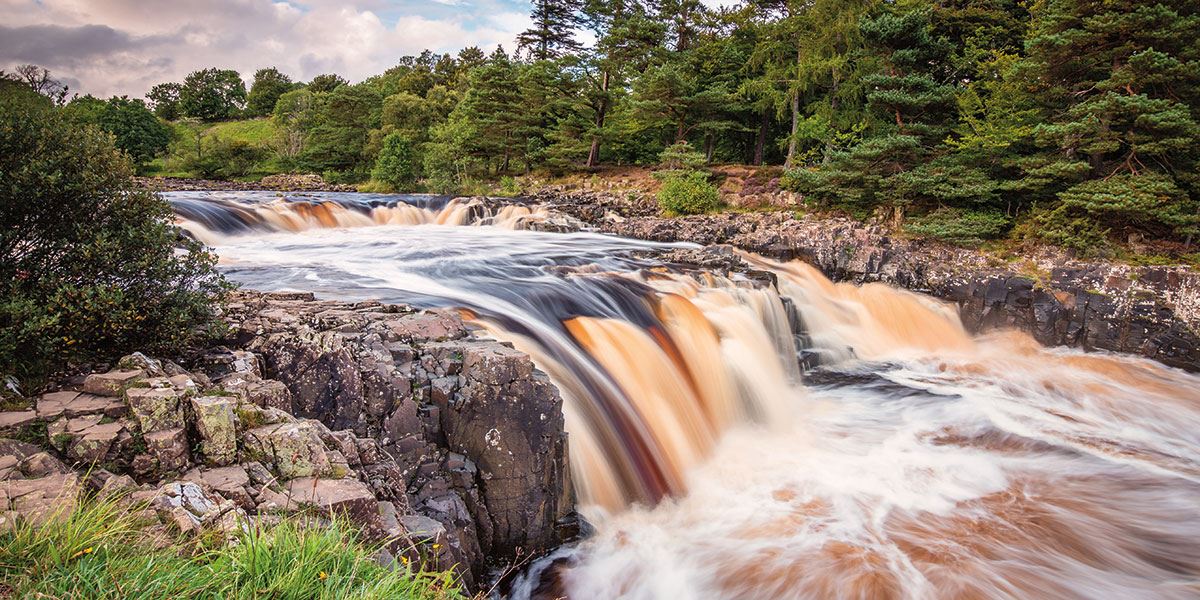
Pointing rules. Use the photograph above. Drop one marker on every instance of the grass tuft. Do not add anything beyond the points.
(101, 550)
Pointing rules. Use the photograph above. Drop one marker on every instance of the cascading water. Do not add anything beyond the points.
(918, 462)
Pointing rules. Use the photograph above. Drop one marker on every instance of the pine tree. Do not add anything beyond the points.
(1121, 87)
(553, 31)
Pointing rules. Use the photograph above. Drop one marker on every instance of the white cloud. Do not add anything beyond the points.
(144, 43)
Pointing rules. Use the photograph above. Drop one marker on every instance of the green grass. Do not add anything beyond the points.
(256, 131)
(103, 551)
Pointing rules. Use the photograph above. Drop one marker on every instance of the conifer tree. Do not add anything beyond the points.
(553, 31)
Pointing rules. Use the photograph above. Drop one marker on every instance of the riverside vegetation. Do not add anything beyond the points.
(1063, 122)
(92, 267)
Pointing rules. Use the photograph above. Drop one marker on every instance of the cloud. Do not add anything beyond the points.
(126, 46)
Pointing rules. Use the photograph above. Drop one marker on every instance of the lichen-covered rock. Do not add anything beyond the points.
(169, 448)
(156, 409)
(216, 423)
(92, 443)
(293, 449)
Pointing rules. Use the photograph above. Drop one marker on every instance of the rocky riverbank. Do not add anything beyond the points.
(1152, 311)
(449, 446)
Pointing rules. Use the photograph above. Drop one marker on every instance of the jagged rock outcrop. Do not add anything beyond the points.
(1152, 311)
(449, 446)
(476, 431)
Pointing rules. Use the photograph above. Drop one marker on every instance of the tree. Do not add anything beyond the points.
(398, 163)
(335, 140)
(269, 84)
(553, 31)
(487, 122)
(326, 83)
(165, 99)
(1120, 90)
(91, 266)
(135, 129)
(625, 38)
(39, 80)
(212, 94)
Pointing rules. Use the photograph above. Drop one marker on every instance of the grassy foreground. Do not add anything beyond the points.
(103, 550)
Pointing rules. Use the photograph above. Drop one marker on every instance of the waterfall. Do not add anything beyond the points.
(917, 461)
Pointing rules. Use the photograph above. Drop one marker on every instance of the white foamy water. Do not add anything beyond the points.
(919, 462)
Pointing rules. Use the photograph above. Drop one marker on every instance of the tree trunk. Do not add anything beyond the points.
(791, 153)
(594, 152)
(760, 140)
(709, 143)
(679, 132)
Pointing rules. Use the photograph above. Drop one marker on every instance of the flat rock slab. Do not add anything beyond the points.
(15, 419)
(349, 497)
(53, 405)
(111, 383)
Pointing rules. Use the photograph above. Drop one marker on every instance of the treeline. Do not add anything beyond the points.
(1068, 121)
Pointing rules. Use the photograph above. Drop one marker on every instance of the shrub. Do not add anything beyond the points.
(509, 187)
(1059, 227)
(681, 155)
(398, 162)
(960, 226)
(88, 261)
(688, 193)
(224, 158)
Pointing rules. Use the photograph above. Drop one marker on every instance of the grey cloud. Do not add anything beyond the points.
(57, 45)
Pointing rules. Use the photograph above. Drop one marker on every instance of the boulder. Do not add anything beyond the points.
(170, 449)
(230, 482)
(38, 499)
(216, 423)
(156, 409)
(92, 444)
(17, 419)
(294, 449)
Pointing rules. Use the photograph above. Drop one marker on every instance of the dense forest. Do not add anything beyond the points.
(1072, 122)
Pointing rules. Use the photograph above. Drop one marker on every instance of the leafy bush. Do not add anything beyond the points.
(1059, 227)
(688, 193)
(88, 261)
(398, 162)
(960, 226)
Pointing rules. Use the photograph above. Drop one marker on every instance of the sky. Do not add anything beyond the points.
(123, 47)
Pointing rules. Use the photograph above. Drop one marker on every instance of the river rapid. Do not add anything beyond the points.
(916, 461)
